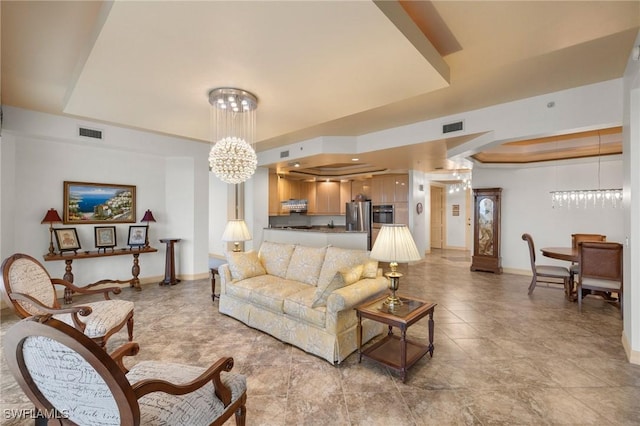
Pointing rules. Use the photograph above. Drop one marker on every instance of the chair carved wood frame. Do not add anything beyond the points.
(601, 270)
(68, 375)
(548, 274)
(29, 290)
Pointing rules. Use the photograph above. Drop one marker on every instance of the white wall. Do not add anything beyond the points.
(526, 206)
(41, 151)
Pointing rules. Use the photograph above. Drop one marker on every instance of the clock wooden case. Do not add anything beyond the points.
(486, 230)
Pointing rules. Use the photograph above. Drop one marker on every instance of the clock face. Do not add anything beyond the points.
(419, 208)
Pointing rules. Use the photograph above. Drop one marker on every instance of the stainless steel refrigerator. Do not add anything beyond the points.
(358, 218)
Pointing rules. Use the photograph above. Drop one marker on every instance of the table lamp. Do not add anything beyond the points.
(148, 217)
(51, 217)
(236, 231)
(394, 244)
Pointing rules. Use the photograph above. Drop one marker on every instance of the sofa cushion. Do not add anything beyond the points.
(370, 269)
(244, 265)
(242, 289)
(272, 295)
(275, 257)
(338, 258)
(305, 264)
(298, 305)
(344, 277)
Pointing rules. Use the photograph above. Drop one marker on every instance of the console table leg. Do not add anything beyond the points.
(68, 276)
(135, 271)
(431, 334)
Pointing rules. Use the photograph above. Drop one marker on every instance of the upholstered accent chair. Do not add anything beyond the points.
(548, 274)
(28, 288)
(70, 377)
(600, 270)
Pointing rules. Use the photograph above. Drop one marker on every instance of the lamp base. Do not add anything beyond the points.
(236, 247)
(393, 302)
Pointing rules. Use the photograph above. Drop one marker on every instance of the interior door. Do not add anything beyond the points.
(437, 217)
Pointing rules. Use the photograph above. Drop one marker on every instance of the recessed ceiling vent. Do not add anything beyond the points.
(89, 133)
(453, 127)
(284, 154)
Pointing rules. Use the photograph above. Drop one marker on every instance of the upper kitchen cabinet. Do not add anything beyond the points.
(387, 189)
(328, 198)
(345, 195)
(274, 195)
(361, 187)
(282, 189)
(308, 192)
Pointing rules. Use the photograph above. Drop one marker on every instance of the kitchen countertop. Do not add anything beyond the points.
(323, 229)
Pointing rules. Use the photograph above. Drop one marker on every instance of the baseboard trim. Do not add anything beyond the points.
(632, 356)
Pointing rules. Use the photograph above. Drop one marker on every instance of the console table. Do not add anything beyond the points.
(70, 257)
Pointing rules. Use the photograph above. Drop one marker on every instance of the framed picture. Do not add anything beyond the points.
(86, 202)
(67, 239)
(105, 236)
(137, 235)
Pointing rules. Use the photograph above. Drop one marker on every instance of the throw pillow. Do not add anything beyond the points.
(342, 278)
(370, 269)
(243, 265)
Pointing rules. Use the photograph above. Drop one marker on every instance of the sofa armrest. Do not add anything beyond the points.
(225, 277)
(355, 294)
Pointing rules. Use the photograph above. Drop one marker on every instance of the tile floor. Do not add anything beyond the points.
(501, 357)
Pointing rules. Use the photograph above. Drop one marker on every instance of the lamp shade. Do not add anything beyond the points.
(148, 217)
(395, 244)
(236, 230)
(51, 216)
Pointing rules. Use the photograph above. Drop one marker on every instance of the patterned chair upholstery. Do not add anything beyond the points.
(29, 290)
(68, 376)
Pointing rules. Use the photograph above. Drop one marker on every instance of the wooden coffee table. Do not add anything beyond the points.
(396, 352)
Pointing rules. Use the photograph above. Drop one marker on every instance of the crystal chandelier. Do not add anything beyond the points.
(462, 186)
(232, 157)
(585, 198)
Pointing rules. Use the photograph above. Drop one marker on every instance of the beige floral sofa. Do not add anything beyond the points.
(303, 295)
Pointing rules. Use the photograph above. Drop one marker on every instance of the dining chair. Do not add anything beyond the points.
(548, 274)
(600, 270)
(69, 377)
(577, 239)
(29, 290)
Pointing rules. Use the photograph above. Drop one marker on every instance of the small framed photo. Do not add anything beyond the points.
(105, 236)
(67, 239)
(137, 235)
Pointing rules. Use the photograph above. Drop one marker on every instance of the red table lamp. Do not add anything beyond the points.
(148, 217)
(51, 217)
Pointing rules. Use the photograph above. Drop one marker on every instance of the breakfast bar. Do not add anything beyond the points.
(317, 236)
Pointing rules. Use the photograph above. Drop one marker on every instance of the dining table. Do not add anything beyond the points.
(570, 254)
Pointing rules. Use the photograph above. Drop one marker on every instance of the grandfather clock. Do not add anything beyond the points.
(486, 230)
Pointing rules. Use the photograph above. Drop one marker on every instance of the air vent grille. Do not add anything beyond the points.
(452, 127)
(284, 154)
(90, 133)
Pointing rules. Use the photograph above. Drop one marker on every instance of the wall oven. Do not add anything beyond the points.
(382, 214)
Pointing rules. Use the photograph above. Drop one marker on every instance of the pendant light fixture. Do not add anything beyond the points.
(233, 158)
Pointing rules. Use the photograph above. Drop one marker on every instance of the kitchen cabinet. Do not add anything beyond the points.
(486, 230)
(328, 198)
(274, 199)
(345, 195)
(401, 189)
(401, 213)
(361, 187)
(388, 189)
(308, 192)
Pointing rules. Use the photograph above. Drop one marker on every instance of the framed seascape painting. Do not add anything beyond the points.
(67, 239)
(105, 237)
(137, 236)
(86, 202)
